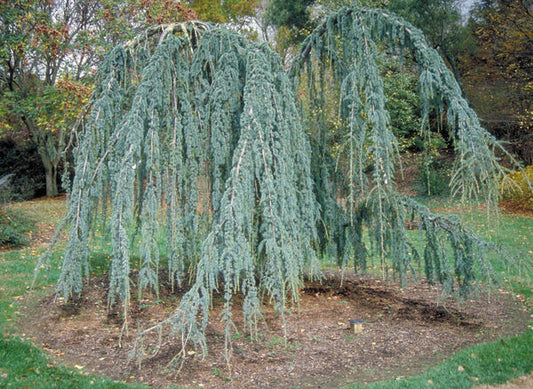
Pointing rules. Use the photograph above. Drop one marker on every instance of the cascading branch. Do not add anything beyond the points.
(194, 135)
(342, 54)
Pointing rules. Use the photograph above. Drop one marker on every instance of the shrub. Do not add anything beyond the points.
(517, 190)
(434, 173)
(23, 162)
(14, 228)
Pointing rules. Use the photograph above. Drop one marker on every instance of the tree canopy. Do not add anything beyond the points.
(498, 76)
(199, 138)
(48, 52)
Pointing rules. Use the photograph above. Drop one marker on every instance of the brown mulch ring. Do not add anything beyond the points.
(515, 208)
(404, 331)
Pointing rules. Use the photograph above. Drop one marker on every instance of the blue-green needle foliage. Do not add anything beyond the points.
(194, 132)
(343, 53)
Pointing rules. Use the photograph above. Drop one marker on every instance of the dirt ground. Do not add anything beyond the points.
(411, 327)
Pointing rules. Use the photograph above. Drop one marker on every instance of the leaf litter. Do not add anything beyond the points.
(404, 332)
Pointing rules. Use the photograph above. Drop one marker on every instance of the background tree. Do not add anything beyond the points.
(27, 29)
(225, 11)
(47, 54)
(286, 23)
(498, 76)
(295, 14)
(441, 22)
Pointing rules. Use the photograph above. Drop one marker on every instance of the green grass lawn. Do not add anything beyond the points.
(490, 363)
(513, 233)
(23, 365)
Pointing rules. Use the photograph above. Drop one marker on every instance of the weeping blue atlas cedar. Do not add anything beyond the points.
(195, 134)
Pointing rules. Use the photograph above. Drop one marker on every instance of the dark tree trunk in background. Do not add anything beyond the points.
(50, 169)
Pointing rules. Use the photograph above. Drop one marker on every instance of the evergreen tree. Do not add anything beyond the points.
(369, 143)
(195, 132)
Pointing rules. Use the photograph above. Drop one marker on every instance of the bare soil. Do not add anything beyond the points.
(516, 209)
(404, 331)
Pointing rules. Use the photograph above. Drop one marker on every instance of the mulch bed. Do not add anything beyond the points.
(404, 331)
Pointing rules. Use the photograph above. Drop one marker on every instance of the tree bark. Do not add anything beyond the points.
(49, 157)
(50, 170)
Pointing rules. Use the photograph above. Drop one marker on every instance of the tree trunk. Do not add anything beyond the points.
(47, 150)
(49, 157)
(50, 170)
